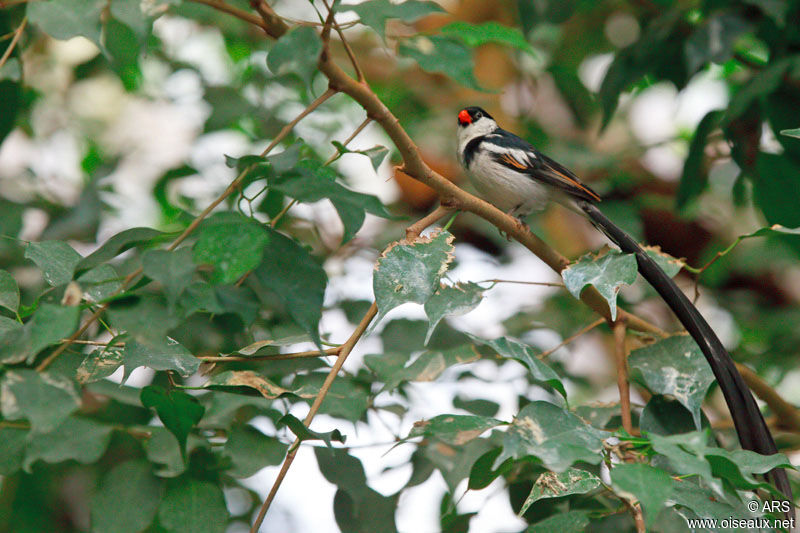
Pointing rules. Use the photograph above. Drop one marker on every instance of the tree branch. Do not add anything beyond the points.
(622, 375)
(786, 414)
(14, 41)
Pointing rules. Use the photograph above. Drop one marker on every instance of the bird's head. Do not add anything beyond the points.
(474, 121)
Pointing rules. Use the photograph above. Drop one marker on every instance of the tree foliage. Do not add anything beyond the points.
(217, 305)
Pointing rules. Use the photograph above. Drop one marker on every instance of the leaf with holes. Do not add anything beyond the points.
(99, 364)
(523, 353)
(674, 367)
(454, 429)
(178, 411)
(458, 299)
(554, 435)
(411, 272)
(553, 485)
(607, 272)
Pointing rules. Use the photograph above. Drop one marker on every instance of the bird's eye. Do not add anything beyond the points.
(478, 114)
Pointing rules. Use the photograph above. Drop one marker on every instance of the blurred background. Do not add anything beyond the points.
(671, 111)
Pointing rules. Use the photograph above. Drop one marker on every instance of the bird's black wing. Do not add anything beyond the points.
(520, 156)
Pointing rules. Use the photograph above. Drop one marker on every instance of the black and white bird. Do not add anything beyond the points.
(513, 176)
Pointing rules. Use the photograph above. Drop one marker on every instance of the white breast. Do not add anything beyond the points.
(506, 189)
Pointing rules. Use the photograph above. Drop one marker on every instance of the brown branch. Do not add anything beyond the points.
(571, 338)
(348, 50)
(219, 5)
(273, 25)
(540, 283)
(346, 348)
(622, 376)
(414, 230)
(786, 414)
(234, 185)
(14, 41)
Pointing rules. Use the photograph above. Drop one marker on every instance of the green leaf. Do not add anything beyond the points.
(64, 19)
(250, 450)
(714, 40)
(50, 324)
(411, 272)
(481, 473)
(99, 364)
(703, 502)
(375, 13)
(117, 244)
(762, 84)
(166, 354)
(776, 189)
(9, 292)
(376, 154)
(10, 107)
(303, 433)
(694, 178)
(568, 522)
(11, 71)
(665, 416)
(162, 449)
(458, 299)
(523, 353)
(650, 486)
(78, 439)
(132, 14)
(347, 398)
(666, 262)
(232, 243)
(178, 411)
(686, 454)
(100, 283)
(173, 269)
(296, 52)
(608, 272)
(193, 506)
(489, 32)
(56, 259)
(445, 55)
(674, 367)
(792, 133)
(427, 367)
(288, 271)
(309, 181)
(554, 435)
(45, 399)
(13, 442)
(477, 406)
(146, 319)
(127, 499)
(552, 485)
(454, 429)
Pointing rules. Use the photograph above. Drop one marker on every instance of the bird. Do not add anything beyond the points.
(511, 174)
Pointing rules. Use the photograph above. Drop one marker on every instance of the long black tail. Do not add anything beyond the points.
(753, 431)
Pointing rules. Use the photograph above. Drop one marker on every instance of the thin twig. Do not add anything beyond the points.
(272, 357)
(571, 338)
(14, 41)
(413, 231)
(542, 283)
(621, 360)
(786, 413)
(346, 348)
(234, 185)
(353, 61)
(352, 136)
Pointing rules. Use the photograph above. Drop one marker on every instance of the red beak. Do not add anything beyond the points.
(464, 118)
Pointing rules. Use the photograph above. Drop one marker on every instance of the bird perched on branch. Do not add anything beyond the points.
(516, 178)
